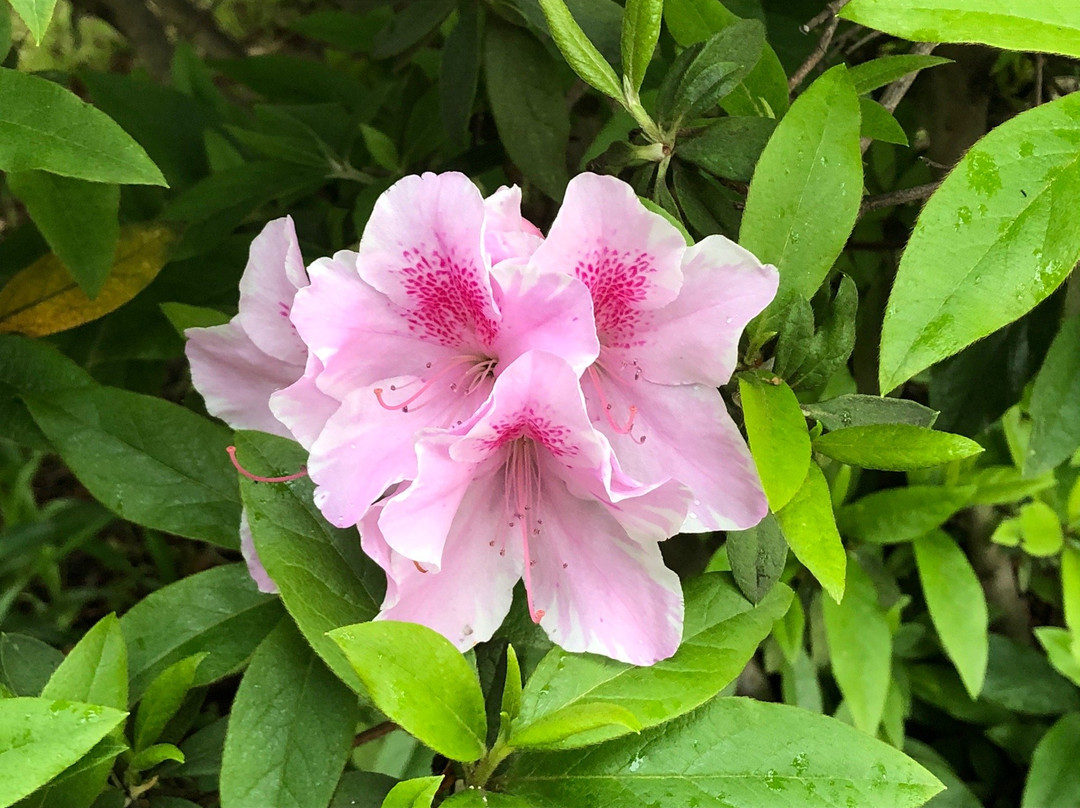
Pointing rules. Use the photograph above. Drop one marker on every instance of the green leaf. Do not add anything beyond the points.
(43, 126)
(359, 789)
(778, 439)
(733, 751)
(163, 698)
(559, 729)
(96, 670)
(77, 218)
(578, 51)
(511, 695)
(26, 663)
(182, 316)
(5, 35)
(880, 124)
(324, 578)
(218, 611)
(1047, 27)
(640, 33)
(1020, 679)
(1054, 778)
(728, 147)
(1055, 429)
(1070, 593)
(155, 755)
(859, 410)
(957, 605)
(902, 514)
(998, 485)
(757, 557)
(39, 738)
(807, 360)
(860, 649)
(81, 783)
(894, 447)
(291, 728)
(807, 187)
(421, 682)
(1040, 529)
(37, 14)
(112, 440)
(809, 528)
(720, 634)
(876, 73)
(381, 148)
(475, 798)
(410, 25)
(1058, 644)
(993, 241)
(529, 106)
(417, 793)
(459, 73)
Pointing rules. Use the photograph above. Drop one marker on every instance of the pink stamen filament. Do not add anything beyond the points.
(259, 479)
(594, 377)
(476, 373)
(522, 481)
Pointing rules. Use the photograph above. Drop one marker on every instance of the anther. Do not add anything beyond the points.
(419, 568)
(259, 479)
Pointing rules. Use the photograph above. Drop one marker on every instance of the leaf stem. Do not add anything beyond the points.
(481, 772)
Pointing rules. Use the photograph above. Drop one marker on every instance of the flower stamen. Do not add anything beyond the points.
(605, 408)
(480, 368)
(259, 479)
(522, 480)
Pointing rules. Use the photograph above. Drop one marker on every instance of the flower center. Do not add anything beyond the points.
(477, 370)
(521, 487)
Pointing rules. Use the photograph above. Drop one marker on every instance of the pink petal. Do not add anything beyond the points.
(546, 312)
(689, 436)
(235, 378)
(600, 590)
(506, 233)
(628, 256)
(422, 248)
(303, 407)
(696, 338)
(467, 599)
(251, 556)
(275, 270)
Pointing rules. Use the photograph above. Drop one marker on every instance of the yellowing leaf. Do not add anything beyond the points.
(44, 299)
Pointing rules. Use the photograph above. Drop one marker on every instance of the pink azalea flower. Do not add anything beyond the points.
(411, 331)
(668, 319)
(528, 489)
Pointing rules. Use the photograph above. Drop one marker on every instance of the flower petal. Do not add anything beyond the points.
(251, 556)
(235, 378)
(600, 590)
(506, 233)
(628, 256)
(274, 272)
(423, 248)
(303, 407)
(696, 338)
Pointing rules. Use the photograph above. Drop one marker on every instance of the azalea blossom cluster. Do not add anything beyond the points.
(490, 405)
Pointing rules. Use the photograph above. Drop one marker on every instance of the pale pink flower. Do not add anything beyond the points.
(668, 319)
(528, 489)
(411, 331)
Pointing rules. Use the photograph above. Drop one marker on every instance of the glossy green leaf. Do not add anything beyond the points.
(1070, 593)
(901, 514)
(876, 73)
(359, 789)
(290, 730)
(757, 557)
(720, 634)
(155, 755)
(731, 751)
(459, 72)
(778, 439)
(807, 187)
(1054, 777)
(808, 355)
(39, 738)
(728, 147)
(43, 126)
(860, 410)
(416, 793)
(1020, 679)
(475, 798)
(77, 218)
(5, 35)
(894, 447)
(578, 51)
(37, 14)
(879, 124)
(218, 611)
(1058, 644)
(112, 440)
(1040, 529)
(26, 663)
(993, 241)
(997, 485)
(957, 605)
(81, 783)
(1055, 429)
(163, 698)
(1049, 27)
(809, 528)
(860, 648)
(182, 316)
(96, 670)
(421, 682)
(640, 32)
(324, 578)
(528, 105)
(557, 730)
(409, 26)
(511, 694)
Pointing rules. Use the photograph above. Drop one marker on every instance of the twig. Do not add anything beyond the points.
(901, 197)
(870, 37)
(898, 89)
(1038, 78)
(830, 10)
(816, 55)
(374, 733)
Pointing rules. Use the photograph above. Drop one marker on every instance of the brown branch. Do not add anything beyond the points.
(902, 197)
(898, 89)
(374, 733)
(815, 57)
(199, 27)
(1039, 59)
(830, 10)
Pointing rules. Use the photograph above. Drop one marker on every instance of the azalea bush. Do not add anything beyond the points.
(539, 403)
